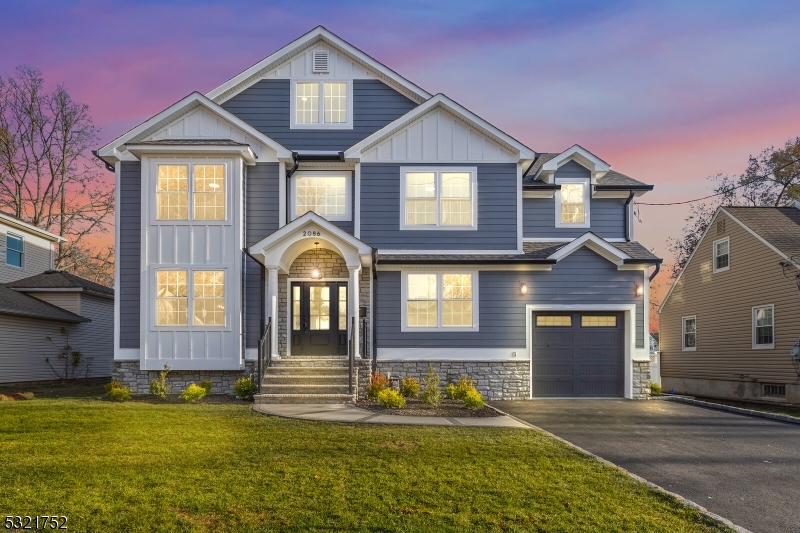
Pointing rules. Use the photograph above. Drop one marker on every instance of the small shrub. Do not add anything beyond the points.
(193, 393)
(458, 391)
(206, 384)
(244, 388)
(160, 387)
(377, 383)
(655, 388)
(27, 395)
(119, 394)
(391, 398)
(431, 394)
(409, 387)
(114, 384)
(473, 399)
(4, 398)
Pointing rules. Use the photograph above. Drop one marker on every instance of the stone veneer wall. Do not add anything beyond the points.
(641, 380)
(129, 374)
(496, 380)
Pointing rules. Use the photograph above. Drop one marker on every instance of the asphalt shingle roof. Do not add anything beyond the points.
(17, 303)
(779, 226)
(611, 177)
(58, 279)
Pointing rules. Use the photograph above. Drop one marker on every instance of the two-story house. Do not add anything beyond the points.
(322, 193)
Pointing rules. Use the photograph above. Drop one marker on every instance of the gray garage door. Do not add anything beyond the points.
(578, 354)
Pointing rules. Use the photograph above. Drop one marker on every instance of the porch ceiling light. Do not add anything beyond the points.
(523, 288)
(639, 289)
(315, 271)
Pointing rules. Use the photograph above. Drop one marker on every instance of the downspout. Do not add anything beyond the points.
(108, 166)
(655, 272)
(374, 310)
(628, 217)
(289, 184)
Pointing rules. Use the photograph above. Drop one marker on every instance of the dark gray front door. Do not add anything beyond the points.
(318, 318)
(578, 354)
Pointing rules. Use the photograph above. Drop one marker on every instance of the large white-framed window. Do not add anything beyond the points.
(438, 198)
(689, 333)
(187, 298)
(722, 254)
(327, 193)
(191, 191)
(439, 301)
(321, 104)
(15, 250)
(764, 327)
(573, 203)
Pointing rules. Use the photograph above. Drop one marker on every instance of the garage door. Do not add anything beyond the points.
(578, 354)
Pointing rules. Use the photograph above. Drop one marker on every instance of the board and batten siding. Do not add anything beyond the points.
(497, 211)
(581, 278)
(723, 303)
(37, 255)
(266, 106)
(129, 247)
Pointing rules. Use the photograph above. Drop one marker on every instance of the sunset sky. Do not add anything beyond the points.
(668, 92)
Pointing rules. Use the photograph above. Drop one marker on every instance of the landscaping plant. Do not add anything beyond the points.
(391, 398)
(244, 388)
(458, 391)
(207, 384)
(655, 389)
(160, 387)
(377, 383)
(431, 394)
(117, 392)
(473, 399)
(409, 387)
(193, 393)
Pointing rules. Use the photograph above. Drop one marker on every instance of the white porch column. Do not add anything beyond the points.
(355, 273)
(272, 308)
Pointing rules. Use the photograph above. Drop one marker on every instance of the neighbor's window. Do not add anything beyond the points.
(573, 203)
(208, 304)
(598, 321)
(440, 300)
(689, 333)
(14, 250)
(722, 259)
(547, 321)
(172, 192)
(764, 326)
(171, 298)
(334, 105)
(439, 198)
(209, 192)
(326, 195)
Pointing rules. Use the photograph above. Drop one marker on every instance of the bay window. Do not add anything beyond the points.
(438, 198)
(439, 300)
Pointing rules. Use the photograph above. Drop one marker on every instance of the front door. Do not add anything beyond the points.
(319, 318)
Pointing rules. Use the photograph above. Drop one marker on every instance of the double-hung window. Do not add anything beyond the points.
(207, 188)
(321, 104)
(440, 300)
(15, 250)
(689, 333)
(722, 255)
(173, 297)
(328, 194)
(572, 203)
(438, 198)
(764, 327)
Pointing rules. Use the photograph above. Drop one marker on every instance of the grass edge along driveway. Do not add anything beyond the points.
(148, 467)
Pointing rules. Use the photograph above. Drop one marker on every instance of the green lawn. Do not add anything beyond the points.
(220, 467)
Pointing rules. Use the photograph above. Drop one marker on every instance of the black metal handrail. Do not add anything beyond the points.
(352, 355)
(264, 353)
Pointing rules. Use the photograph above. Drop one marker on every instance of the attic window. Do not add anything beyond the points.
(320, 62)
(322, 104)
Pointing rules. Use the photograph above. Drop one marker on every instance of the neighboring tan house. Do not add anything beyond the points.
(321, 192)
(731, 320)
(37, 302)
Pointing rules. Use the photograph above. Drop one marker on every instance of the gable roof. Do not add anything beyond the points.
(452, 107)
(549, 165)
(319, 34)
(17, 303)
(20, 224)
(58, 279)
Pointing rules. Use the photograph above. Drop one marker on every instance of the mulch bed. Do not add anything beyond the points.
(448, 408)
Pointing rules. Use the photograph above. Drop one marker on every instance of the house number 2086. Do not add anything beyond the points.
(311, 234)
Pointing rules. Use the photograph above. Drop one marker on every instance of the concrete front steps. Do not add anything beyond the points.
(307, 379)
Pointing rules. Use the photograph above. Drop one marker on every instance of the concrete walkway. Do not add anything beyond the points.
(335, 412)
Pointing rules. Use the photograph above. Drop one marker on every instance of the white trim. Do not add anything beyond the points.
(576, 153)
(510, 267)
(417, 251)
(251, 354)
(281, 194)
(714, 268)
(453, 354)
(289, 282)
(438, 171)
(594, 243)
(24, 226)
(149, 171)
(586, 204)
(631, 352)
(348, 189)
(524, 153)
(567, 239)
(684, 348)
(753, 327)
(439, 272)
(547, 193)
(318, 35)
(520, 171)
(357, 198)
(117, 189)
(321, 124)
(128, 354)
(210, 149)
(23, 252)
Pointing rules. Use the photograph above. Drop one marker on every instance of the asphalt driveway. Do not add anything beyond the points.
(744, 468)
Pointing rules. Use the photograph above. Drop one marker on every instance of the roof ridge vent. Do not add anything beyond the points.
(320, 60)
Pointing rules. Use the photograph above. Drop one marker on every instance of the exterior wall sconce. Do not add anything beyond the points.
(523, 288)
(315, 271)
(639, 289)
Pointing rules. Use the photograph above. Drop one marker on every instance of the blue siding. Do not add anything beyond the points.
(266, 107)
(582, 278)
(497, 212)
(607, 217)
(129, 249)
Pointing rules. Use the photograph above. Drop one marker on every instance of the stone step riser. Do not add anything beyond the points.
(303, 398)
(308, 389)
(310, 372)
(286, 379)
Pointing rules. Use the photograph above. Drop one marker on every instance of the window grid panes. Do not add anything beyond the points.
(172, 193)
(436, 199)
(554, 321)
(456, 199)
(14, 250)
(422, 305)
(342, 308)
(457, 300)
(208, 303)
(721, 255)
(209, 192)
(319, 308)
(689, 333)
(307, 104)
(296, 308)
(762, 316)
(420, 199)
(324, 195)
(335, 105)
(573, 207)
(598, 321)
(171, 298)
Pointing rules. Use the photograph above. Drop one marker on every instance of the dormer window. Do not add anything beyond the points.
(322, 105)
(572, 204)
